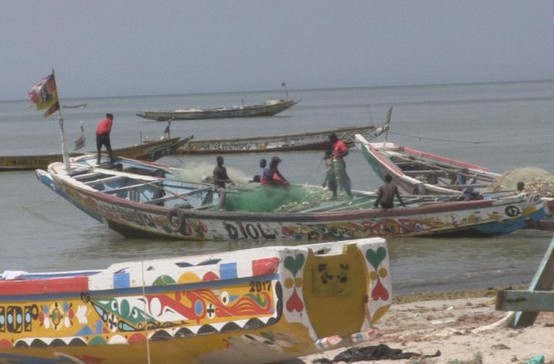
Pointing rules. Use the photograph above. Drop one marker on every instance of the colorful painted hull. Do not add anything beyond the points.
(269, 108)
(412, 170)
(152, 150)
(250, 306)
(129, 204)
(280, 143)
(404, 164)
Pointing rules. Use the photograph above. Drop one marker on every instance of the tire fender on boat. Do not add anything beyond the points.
(176, 219)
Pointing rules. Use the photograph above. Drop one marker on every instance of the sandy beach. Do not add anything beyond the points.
(455, 328)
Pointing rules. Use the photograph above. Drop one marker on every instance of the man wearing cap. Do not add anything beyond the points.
(103, 131)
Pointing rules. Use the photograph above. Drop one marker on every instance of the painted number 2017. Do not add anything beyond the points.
(258, 286)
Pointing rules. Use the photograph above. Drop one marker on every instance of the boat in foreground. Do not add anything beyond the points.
(269, 108)
(257, 305)
(142, 199)
(151, 151)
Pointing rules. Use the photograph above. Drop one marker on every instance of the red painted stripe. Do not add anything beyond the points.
(43, 286)
(265, 266)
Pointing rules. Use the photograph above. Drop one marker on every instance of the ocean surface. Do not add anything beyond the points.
(502, 126)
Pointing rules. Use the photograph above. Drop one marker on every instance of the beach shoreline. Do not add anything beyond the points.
(461, 327)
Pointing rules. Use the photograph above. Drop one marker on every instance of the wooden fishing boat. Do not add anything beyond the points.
(151, 151)
(318, 140)
(269, 108)
(144, 199)
(419, 172)
(255, 306)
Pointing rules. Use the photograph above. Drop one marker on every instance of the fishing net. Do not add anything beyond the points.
(269, 198)
(536, 180)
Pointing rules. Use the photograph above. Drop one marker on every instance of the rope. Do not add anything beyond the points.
(440, 140)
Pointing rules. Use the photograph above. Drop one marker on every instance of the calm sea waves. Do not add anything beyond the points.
(500, 126)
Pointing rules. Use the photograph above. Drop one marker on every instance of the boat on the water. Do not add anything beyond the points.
(254, 306)
(318, 140)
(268, 108)
(419, 172)
(150, 150)
(145, 199)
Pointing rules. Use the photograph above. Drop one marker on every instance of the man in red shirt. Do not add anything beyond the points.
(340, 150)
(103, 136)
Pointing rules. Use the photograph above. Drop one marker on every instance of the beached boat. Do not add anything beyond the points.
(419, 172)
(255, 306)
(142, 199)
(149, 150)
(269, 108)
(318, 140)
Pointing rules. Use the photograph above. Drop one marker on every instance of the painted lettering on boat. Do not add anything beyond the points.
(238, 231)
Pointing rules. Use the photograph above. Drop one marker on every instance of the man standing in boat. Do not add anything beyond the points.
(103, 131)
(220, 179)
(340, 150)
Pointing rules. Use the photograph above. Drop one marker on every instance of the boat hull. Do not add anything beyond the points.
(251, 306)
(267, 109)
(333, 220)
(279, 143)
(150, 151)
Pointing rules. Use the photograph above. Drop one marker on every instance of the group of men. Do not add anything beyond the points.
(335, 176)
(335, 173)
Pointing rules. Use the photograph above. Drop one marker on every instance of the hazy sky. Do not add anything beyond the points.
(133, 47)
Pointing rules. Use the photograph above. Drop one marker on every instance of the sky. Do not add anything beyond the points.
(136, 47)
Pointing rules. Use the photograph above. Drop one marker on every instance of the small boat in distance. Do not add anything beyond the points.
(249, 306)
(269, 108)
(74, 106)
(317, 140)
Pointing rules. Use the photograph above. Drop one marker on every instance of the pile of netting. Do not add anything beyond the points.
(277, 199)
(536, 180)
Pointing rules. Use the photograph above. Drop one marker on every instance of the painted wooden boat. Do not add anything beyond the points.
(419, 172)
(318, 140)
(269, 108)
(151, 151)
(142, 199)
(248, 306)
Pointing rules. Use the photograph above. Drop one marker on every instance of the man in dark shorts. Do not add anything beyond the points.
(103, 131)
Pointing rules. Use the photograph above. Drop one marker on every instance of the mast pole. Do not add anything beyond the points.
(65, 154)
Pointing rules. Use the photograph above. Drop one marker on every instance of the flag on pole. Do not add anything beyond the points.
(44, 95)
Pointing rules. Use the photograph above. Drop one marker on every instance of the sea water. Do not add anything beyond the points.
(501, 126)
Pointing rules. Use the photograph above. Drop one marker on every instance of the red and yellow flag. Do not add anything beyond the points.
(45, 95)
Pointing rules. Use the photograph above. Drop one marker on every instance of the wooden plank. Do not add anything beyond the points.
(528, 301)
(543, 281)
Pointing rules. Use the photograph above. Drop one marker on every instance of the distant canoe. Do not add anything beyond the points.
(269, 108)
(74, 106)
(150, 151)
(318, 140)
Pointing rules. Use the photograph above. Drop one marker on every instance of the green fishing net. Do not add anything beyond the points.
(278, 199)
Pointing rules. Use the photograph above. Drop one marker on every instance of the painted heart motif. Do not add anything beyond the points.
(379, 292)
(294, 303)
(376, 257)
(295, 264)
